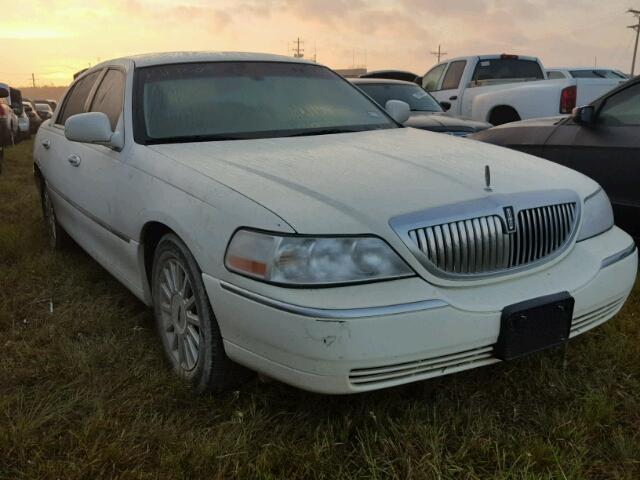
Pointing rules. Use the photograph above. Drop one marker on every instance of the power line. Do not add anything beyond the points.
(439, 53)
(635, 13)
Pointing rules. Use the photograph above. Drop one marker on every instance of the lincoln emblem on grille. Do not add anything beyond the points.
(487, 178)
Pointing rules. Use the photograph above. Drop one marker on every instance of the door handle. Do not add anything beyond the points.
(46, 144)
(74, 160)
(455, 97)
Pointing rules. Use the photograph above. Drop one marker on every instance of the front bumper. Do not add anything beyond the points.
(366, 337)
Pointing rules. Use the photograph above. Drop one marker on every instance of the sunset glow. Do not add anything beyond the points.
(53, 39)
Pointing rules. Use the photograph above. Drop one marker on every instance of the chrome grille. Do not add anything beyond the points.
(484, 245)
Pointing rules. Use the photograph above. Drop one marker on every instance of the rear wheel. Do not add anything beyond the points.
(502, 115)
(56, 236)
(185, 321)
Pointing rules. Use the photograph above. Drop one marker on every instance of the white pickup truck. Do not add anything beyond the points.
(506, 88)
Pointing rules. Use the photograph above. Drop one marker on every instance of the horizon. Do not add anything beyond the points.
(53, 40)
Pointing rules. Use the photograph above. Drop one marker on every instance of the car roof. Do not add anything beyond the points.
(163, 58)
(388, 81)
(580, 69)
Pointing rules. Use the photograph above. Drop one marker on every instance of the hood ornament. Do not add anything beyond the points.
(487, 179)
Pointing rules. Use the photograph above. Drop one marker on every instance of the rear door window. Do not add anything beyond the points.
(454, 75)
(77, 98)
(109, 96)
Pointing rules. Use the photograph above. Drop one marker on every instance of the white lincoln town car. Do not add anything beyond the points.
(276, 218)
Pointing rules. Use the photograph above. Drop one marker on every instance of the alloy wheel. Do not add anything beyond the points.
(179, 312)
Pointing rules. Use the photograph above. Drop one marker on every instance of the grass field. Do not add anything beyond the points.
(85, 393)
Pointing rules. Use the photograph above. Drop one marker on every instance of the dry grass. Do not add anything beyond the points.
(84, 393)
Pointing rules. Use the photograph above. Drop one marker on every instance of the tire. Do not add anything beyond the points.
(56, 236)
(185, 322)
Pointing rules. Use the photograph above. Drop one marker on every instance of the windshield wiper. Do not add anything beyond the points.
(324, 131)
(196, 138)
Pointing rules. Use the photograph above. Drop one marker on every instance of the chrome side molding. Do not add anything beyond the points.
(616, 257)
(335, 314)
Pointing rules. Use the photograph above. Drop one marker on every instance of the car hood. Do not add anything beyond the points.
(535, 122)
(356, 182)
(440, 122)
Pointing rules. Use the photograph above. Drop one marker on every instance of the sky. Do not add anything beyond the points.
(55, 38)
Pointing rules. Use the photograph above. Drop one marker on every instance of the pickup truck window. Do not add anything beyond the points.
(506, 69)
(454, 75)
(623, 109)
(555, 75)
(109, 96)
(77, 98)
(197, 102)
(432, 78)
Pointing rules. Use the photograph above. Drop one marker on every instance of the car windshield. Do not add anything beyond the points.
(417, 98)
(242, 100)
(596, 74)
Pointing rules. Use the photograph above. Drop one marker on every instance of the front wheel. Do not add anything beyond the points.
(185, 321)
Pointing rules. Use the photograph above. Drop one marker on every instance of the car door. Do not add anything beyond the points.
(53, 151)
(450, 93)
(608, 152)
(99, 174)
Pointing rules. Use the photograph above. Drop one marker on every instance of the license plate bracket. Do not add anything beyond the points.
(533, 325)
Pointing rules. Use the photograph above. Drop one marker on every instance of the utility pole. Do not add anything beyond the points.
(298, 51)
(33, 80)
(635, 13)
(439, 53)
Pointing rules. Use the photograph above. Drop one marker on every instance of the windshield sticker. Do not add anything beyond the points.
(374, 114)
(420, 94)
(486, 63)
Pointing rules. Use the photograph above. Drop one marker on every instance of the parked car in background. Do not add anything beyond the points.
(334, 250)
(426, 112)
(585, 72)
(393, 75)
(52, 103)
(601, 140)
(34, 118)
(8, 118)
(506, 88)
(43, 110)
(24, 130)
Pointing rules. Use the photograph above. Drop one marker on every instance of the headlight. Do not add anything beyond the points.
(298, 261)
(597, 214)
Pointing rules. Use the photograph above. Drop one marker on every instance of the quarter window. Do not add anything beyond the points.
(623, 109)
(109, 96)
(454, 75)
(77, 98)
(432, 78)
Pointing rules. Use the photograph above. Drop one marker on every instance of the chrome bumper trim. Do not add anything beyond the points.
(336, 314)
(616, 257)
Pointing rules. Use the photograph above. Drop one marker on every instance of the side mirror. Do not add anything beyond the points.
(92, 127)
(446, 106)
(398, 110)
(584, 115)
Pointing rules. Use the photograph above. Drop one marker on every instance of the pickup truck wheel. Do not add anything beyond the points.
(185, 321)
(502, 115)
(57, 237)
